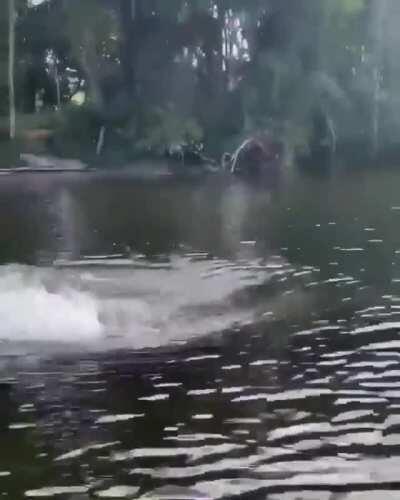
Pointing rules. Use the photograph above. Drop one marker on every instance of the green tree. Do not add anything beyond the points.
(11, 65)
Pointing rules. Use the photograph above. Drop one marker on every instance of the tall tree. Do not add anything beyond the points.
(11, 66)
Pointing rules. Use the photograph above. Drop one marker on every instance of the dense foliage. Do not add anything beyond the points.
(118, 79)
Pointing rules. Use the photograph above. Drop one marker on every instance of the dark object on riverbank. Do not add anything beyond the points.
(318, 161)
(322, 146)
(259, 158)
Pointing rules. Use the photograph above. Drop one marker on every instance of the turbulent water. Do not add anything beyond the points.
(127, 302)
(200, 341)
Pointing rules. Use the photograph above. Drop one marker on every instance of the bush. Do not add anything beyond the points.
(163, 127)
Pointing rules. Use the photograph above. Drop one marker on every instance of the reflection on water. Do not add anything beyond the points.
(258, 355)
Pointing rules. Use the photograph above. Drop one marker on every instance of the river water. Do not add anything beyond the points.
(193, 340)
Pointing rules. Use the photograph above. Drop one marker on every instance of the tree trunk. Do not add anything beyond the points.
(11, 66)
(29, 90)
(223, 61)
(58, 88)
(132, 17)
(100, 140)
(127, 13)
(379, 12)
(89, 64)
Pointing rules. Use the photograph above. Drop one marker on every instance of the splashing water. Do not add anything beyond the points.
(105, 305)
(30, 310)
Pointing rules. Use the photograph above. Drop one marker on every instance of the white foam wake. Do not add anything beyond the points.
(110, 307)
(30, 310)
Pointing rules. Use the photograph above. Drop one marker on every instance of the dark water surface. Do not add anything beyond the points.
(240, 343)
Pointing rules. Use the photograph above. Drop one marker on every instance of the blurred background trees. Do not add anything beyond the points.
(118, 79)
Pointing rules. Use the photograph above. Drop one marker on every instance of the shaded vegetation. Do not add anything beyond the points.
(116, 80)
